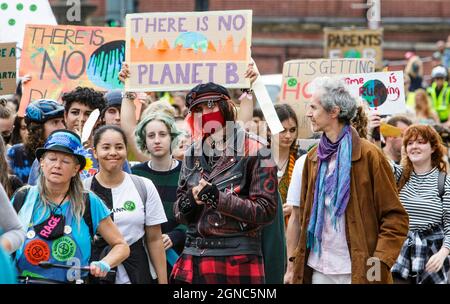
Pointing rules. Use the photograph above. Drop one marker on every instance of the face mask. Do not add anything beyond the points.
(52, 228)
(211, 122)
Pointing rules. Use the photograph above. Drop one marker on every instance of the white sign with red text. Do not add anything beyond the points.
(383, 91)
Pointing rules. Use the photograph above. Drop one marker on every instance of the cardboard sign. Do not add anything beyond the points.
(177, 51)
(298, 74)
(7, 68)
(354, 43)
(16, 14)
(60, 58)
(383, 91)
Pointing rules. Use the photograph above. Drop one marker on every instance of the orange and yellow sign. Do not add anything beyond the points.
(176, 51)
(60, 58)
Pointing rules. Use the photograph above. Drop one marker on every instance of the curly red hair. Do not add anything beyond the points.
(430, 135)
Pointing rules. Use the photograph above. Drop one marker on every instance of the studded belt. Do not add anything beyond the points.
(229, 242)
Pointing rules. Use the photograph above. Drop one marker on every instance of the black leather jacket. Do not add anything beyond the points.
(245, 176)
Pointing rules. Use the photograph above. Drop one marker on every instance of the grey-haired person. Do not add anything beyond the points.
(351, 218)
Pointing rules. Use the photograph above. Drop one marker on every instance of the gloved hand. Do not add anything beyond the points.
(100, 268)
(209, 195)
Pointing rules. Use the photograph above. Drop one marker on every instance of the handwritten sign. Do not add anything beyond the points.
(298, 75)
(7, 68)
(354, 43)
(176, 51)
(383, 91)
(59, 58)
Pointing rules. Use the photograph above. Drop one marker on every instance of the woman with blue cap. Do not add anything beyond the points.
(60, 219)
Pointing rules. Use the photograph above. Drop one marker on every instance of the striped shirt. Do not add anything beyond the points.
(420, 198)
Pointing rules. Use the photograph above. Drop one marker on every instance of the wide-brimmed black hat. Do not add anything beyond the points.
(64, 141)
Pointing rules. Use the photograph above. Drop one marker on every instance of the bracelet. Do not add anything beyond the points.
(246, 95)
(248, 91)
(104, 267)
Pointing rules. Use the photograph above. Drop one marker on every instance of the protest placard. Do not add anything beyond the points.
(15, 15)
(298, 74)
(354, 43)
(59, 58)
(383, 91)
(7, 68)
(177, 51)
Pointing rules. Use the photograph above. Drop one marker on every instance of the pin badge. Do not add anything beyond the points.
(67, 229)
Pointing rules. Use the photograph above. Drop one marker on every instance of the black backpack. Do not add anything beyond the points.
(21, 194)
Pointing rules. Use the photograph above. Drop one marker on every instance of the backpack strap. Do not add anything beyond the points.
(21, 194)
(441, 183)
(87, 182)
(19, 198)
(140, 186)
(87, 216)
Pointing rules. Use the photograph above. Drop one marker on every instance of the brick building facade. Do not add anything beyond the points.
(292, 29)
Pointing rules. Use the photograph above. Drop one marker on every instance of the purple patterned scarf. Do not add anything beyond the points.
(336, 186)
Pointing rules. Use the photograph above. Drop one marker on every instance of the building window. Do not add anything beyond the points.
(116, 11)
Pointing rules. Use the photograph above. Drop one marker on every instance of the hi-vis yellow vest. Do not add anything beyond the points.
(411, 100)
(440, 103)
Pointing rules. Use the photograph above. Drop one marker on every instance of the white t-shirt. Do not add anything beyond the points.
(130, 215)
(295, 186)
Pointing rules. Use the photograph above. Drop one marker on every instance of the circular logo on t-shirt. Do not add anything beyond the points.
(37, 251)
(63, 249)
(129, 206)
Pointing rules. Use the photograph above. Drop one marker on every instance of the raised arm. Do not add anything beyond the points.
(245, 113)
(128, 118)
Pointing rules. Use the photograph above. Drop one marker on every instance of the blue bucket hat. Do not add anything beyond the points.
(64, 141)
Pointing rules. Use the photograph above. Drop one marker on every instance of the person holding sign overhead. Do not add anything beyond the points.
(227, 192)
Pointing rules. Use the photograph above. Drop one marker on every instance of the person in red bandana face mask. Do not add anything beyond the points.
(227, 192)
